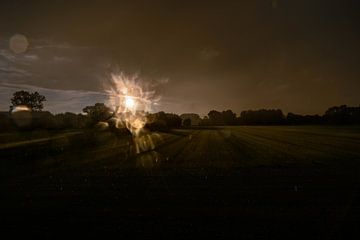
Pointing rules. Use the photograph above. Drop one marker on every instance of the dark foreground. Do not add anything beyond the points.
(243, 182)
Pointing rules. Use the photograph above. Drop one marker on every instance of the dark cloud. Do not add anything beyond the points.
(299, 55)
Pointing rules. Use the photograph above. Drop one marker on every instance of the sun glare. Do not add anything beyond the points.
(129, 102)
(20, 108)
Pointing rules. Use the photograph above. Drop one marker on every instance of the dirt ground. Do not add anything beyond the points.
(243, 182)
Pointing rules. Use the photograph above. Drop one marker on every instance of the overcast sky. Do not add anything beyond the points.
(300, 56)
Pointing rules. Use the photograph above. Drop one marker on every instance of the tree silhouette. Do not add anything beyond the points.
(34, 101)
(262, 117)
(98, 112)
(163, 121)
(216, 118)
(187, 122)
(297, 119)
(229, 117)
(342, 115)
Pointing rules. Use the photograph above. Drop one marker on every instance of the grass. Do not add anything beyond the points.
(249, 182)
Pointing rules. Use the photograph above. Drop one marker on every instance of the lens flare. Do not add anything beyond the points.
(130, 100)
(18, 43)
(20, 108)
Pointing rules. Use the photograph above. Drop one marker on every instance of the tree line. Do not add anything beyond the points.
(32, 116)
(334, 115)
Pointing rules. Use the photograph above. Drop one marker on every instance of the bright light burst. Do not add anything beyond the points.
(130, 100)
(20, 108)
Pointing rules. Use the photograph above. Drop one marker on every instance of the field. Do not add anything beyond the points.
(249, 182)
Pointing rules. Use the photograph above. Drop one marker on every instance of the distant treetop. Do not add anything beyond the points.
(33, 101)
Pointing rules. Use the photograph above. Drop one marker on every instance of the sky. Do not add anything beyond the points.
(301, 56)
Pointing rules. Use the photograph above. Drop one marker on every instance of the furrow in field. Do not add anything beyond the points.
(332, 148)
(331, 138)
(198, 153)
(266, 151)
